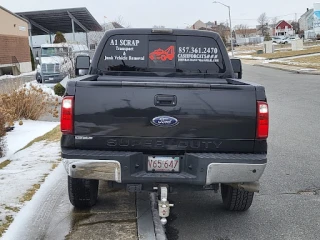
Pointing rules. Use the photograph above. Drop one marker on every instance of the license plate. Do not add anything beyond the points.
(163, 164)
(51, 79)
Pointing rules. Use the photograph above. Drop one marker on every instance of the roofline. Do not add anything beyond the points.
(62, 10)
(281, 22)
(8, 11)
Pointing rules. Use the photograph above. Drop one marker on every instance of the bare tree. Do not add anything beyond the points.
(295, 26)
(263, 24)
(242, 29)
(274, 21)
(122, 22)
(223, 31)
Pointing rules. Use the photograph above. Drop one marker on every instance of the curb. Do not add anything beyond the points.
(148, 220)
(288, 70)
(158, 227)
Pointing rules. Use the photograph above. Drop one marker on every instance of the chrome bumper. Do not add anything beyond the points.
(234, 172)
(108, 170)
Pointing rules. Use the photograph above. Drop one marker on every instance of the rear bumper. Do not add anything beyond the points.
(195, 169)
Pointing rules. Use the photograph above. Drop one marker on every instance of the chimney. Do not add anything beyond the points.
(215, 23)
(307, 9)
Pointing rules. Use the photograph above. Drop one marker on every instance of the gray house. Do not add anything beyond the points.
(306, 20)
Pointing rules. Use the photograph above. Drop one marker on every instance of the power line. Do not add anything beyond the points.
(251, 19)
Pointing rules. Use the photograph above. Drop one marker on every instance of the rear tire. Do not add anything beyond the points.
(83, 193)
(236, 199)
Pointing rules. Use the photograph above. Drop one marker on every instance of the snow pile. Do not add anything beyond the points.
(46, 89)
(250, 57)
(38, 212)
(22, 135)
(27, 167)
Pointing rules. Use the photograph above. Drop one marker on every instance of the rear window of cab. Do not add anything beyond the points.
(189, 54)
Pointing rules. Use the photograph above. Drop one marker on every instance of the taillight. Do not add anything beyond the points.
(66, 121)
(262, 120)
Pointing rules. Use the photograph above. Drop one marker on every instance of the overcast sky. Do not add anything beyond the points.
(171, 13)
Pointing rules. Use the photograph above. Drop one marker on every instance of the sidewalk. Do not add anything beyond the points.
(288, 68)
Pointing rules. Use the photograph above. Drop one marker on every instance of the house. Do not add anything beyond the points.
(306, 20)
(211, 24)
(246, 33)
(283, 28)
(14, 44)
(198, 24)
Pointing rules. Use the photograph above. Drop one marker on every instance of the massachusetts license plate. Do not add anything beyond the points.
(163, 164)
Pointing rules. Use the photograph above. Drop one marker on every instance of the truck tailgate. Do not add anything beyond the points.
(211, 117)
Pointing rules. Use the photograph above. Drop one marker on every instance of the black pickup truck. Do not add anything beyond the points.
(160, 108)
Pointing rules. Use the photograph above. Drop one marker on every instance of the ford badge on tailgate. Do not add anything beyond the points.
(165, 121)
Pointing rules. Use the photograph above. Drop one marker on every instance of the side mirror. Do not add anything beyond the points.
(82, 65)
(237, 67)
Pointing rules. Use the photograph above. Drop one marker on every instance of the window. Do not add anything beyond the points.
(54, 51)
(185, 54)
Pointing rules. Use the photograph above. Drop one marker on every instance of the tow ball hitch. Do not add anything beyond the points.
(163, 203)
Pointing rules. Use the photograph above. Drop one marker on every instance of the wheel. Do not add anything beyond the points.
(83, 193)
(236, 199)
(39, 78)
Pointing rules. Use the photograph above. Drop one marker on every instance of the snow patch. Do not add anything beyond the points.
(44, 87)
(22, 135)
(27, 168)
(250, 57)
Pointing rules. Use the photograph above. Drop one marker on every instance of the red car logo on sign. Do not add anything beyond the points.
(162, 55)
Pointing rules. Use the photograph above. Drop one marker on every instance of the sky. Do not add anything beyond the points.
(171, 13)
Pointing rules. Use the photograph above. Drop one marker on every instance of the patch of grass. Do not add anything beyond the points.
(289, 53)
(29, 194)
(311, 59)
(54, 165)
(4, 227)
(304, 62)
(4, 163)
(53, 136)
(14, 209)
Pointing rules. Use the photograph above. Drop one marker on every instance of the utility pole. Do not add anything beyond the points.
(231, 39)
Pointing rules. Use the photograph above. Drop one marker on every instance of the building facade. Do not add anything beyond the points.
(306, 20)
(283, 28)
(14, 44)
(316, 18)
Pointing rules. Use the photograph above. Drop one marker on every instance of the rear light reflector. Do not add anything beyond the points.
(262, 120)
(66, 121)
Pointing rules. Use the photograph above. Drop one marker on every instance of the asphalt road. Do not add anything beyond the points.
(288, 205)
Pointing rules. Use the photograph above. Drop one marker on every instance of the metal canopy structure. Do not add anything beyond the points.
(62, 20)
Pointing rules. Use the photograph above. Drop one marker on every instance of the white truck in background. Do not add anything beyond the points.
(56, 61)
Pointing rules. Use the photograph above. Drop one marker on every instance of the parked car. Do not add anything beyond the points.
(143, 122)
(287, 40)
(276, 39)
